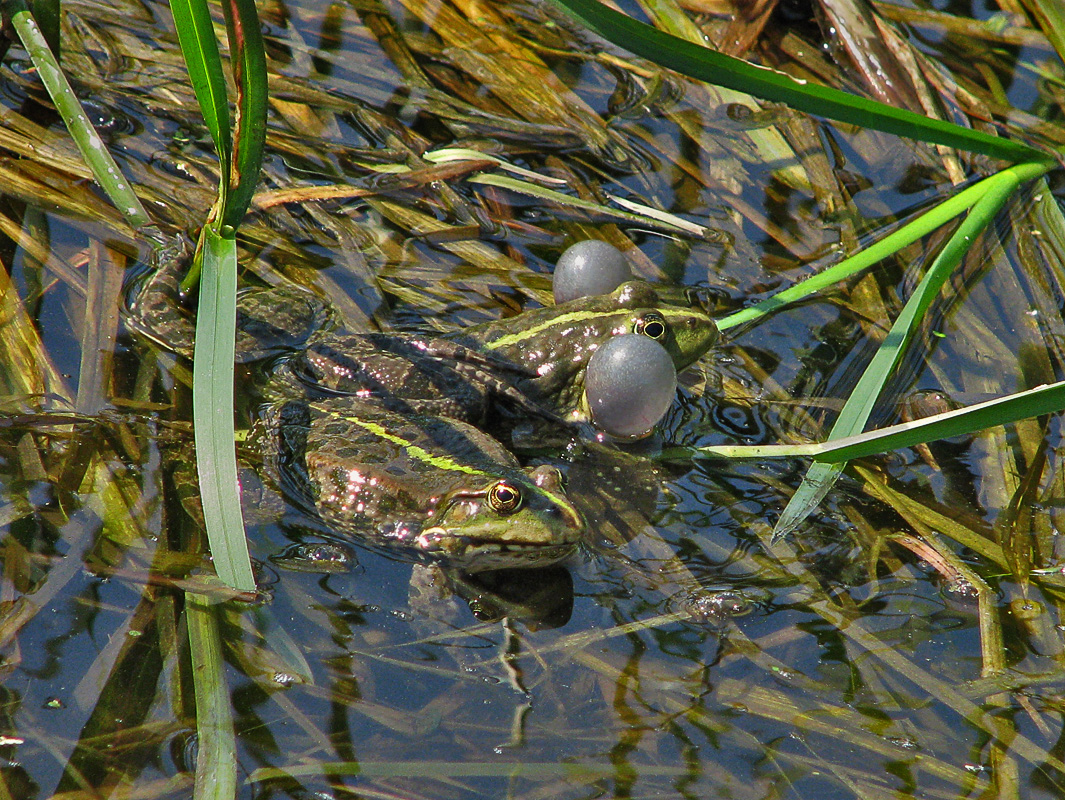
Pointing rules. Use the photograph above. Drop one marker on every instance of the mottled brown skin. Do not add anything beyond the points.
(407, 372)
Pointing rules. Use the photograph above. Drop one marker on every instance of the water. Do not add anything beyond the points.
(680, 653)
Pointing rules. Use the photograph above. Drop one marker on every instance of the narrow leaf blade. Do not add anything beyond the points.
(866, 257)
(1048, 399)
(212, 408)
(249, 74)
(192, 18)
(90, 145)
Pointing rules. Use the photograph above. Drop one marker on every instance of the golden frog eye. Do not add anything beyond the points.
(651, 324)
(504, 498)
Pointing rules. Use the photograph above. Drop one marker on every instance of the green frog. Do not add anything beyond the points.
(432, 484)
(541, 354)
(535, 360)
(555, 343)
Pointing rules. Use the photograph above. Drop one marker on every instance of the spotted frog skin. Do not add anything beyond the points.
(434, 485)
(552, 346)
(535, 361)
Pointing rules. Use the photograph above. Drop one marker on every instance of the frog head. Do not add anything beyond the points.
(554, 344)
(522, 518)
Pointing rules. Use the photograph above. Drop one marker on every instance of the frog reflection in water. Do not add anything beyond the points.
(358, 401)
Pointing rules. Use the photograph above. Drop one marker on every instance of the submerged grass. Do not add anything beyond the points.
(216, 758)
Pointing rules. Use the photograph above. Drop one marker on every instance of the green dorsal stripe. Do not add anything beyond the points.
(560, 500)
(573, 317)
(443, 462)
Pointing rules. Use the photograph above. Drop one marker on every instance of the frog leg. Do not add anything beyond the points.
(520, 399)
(360, 362)
(484, 369)
(277, 319)
(156, 311)
(269, 320)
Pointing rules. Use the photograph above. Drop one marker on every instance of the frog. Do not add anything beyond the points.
(542, 353)
(550, 347)
(534, 361)
(433, 485)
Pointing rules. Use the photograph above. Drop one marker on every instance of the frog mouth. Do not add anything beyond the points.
(483, 554)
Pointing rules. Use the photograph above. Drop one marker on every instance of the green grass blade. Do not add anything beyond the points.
(249, 74)
(855, 413)
(192, 18)
(216, 758)
(1047, 399)
(888, 246)
(708, 65)
(216, 316)
(92, 148)
(997, 190)
(816, 484)
(212, 409)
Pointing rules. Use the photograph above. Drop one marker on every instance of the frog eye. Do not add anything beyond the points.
(652, 325)
(504, 498)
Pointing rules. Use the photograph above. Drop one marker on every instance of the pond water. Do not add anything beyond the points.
(905, 641)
